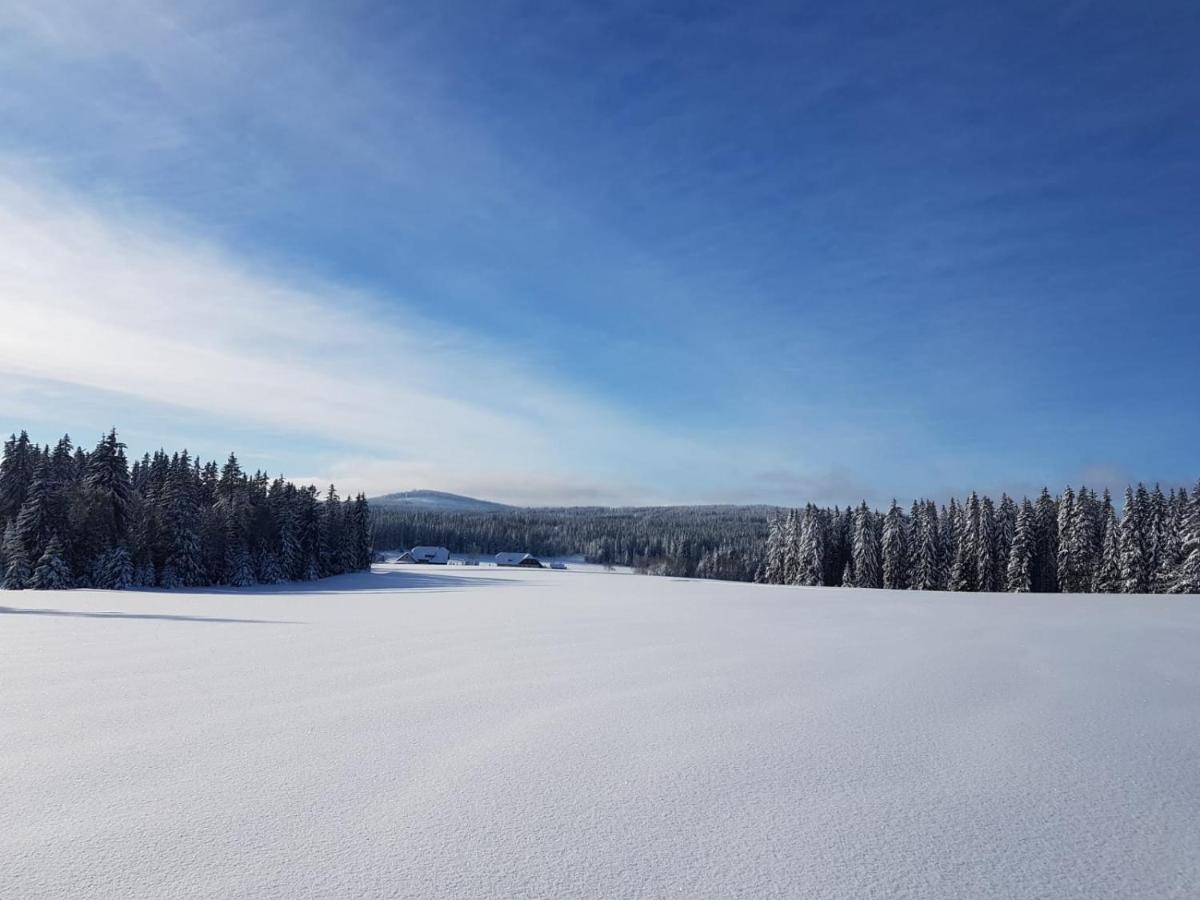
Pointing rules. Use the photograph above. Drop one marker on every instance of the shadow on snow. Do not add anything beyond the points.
(375, 582)
(355, 583)
(163, 617)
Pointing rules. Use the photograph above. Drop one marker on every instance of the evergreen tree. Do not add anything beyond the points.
(114, 569)
(1019, 572)
(362, 534)
(927, 567)
(17, 571)
(16, 474)
(38, 518)
(1187, 576)
(1171, 554)
(791, 548)
(812, 546)
(1108, 575)
(1075, 543)
(1135, 557)
(1006, 527)
(1045, 564)
(52, 572)
(107, 482)
(1157, 540)
(894, 550)
(63, 469)
(775, 550)
(985, 549)
(867, 564)
(964, 574)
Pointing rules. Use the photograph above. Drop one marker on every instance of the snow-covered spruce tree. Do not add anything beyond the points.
(16, 474)
(848, 574)
(291, 546)
(1187, 576)
(310, 521)
(964, 573)
(114, 569)
(1085, 542)
(331, 534)
(1019, 572)
(239, 566)
(867, 564)
(986, 565)
(1076, 542)
(912, 537)
(812, 548)
(184, 554)
(927, 562)
(832, 558)
(1157, 540)
(1135, 562)
(108, 487)
(773, 573)
(1045, 556)
(791, 547)
(52, 572)
(239, 563)
(269, 570)
(39, 517)
(1069, 564)
(1108, 573)
(348, 541)
(1006, 526)
(894, 550)
(1096, 511)
(1171, 555)
(17, 570)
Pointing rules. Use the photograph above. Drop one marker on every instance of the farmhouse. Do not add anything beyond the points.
(524, 560)
(429, 556)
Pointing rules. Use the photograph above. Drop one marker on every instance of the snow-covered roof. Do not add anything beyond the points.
(430, 554)
(511, 559)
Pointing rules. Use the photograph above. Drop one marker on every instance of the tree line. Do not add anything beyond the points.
(1072, 543)
(683, 541)
(77, 518)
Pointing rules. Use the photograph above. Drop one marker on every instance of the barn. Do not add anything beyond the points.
(428, 556)
(523, 560)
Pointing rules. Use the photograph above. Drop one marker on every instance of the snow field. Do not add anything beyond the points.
(468, 732)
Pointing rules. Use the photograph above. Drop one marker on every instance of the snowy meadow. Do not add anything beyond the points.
(488, 733)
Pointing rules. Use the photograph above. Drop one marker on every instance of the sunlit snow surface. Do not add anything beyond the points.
(487, 733)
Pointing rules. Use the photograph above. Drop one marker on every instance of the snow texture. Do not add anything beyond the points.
(514, 734)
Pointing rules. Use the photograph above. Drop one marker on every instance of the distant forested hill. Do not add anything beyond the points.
(704, 541)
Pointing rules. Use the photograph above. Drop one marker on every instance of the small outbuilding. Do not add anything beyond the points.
(426, 556)
(524, 560)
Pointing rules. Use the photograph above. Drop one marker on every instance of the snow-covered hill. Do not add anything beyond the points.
(437, 500)
(489, 733)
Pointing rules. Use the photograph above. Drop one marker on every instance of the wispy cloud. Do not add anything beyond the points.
(100, 299)
(692, 253)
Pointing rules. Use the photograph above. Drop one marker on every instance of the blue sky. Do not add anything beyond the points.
(627, 252)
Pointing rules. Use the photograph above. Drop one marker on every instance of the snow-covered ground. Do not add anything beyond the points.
(468, 732)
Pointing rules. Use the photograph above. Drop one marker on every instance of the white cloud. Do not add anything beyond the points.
(107, 299)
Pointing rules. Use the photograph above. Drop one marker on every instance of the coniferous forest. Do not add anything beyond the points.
(1076, 542)
(1073, 543)
(722, 542)
(78, 518)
